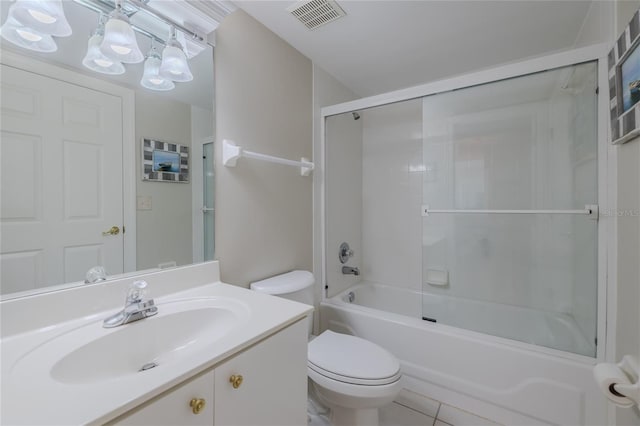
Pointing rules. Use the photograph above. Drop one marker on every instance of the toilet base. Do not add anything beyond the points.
(341, 416)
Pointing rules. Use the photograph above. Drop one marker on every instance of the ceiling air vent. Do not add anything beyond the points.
(315, 13)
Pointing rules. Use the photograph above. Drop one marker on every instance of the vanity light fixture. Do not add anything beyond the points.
(151, 79)
(95, 60)
(119, 42)
(26, 37)
(32, 24)
(174, 62)
(44, 16)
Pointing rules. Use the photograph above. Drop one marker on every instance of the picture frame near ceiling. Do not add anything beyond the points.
(164, 161)
(624, 83)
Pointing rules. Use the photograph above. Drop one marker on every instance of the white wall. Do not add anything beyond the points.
(263, 103)
(164, 231)
(604, 23)
(598, 24)
(628, 300)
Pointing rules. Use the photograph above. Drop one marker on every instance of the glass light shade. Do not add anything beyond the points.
(45, 16)
(26, 37)
(95, 60)
(119, 42)
(151, 79)
(174, 63)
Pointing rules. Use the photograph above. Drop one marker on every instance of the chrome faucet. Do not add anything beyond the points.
(95, 274)
(136, 307)
(350, 270)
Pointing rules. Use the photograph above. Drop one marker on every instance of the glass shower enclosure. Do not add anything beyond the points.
(483, 201)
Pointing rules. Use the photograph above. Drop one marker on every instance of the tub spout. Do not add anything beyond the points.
(347, 270)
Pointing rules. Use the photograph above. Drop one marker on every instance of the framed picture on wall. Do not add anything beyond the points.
(624, 83)
(164, 161)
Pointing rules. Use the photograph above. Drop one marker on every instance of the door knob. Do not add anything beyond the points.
(113, 231)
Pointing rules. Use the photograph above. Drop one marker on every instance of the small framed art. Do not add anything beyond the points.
(164, 161)
(624, 83)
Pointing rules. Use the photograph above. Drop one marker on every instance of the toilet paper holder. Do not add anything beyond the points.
(631, 367)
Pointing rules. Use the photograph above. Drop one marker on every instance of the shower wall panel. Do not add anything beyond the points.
(392, 172)
(343, 197)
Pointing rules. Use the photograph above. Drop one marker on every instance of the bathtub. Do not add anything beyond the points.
(506, 380)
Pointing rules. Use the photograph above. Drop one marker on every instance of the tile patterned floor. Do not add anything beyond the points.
(411, 409)
(434, 413)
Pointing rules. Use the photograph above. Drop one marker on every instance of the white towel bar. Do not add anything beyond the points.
(231, 152)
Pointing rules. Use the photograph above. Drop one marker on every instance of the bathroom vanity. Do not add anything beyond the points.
(213, 354)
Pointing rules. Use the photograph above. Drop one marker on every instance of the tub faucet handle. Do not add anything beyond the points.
(345, 253)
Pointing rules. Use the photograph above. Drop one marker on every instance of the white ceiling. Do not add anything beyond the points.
(384, 45)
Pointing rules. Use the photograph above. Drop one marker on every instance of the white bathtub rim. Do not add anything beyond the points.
(443, 329)
(368, 283)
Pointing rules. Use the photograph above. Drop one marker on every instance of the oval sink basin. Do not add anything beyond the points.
(91, 353)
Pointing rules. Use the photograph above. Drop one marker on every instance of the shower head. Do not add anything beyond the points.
(356, 116)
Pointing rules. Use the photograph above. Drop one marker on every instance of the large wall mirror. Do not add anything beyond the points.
(74, 194)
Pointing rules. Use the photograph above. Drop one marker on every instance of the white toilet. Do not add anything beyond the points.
(352, 376)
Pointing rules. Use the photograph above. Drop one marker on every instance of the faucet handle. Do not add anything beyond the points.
(137, 292)
(345, 253)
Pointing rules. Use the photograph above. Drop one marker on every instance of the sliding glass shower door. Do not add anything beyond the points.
(478, 206)
(509, 228)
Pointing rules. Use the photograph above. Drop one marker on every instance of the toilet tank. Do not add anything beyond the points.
(294, 285)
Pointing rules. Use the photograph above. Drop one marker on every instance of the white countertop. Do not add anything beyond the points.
(40, 399)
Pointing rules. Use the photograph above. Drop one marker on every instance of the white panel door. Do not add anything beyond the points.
(61, 166)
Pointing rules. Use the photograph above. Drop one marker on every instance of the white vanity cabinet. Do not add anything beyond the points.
(265, 384)
(273, 389)
(175, 407)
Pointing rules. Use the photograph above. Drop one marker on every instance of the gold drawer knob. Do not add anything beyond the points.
(235, 380)
(197, 405)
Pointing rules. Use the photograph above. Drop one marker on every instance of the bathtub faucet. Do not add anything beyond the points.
(350, 270)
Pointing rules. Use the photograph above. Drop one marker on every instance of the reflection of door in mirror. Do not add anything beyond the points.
(61, 181)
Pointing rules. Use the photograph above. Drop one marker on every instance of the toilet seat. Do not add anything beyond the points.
(353, 360)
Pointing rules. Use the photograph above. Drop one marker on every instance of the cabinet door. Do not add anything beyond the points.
(273, 390)
(174, 407)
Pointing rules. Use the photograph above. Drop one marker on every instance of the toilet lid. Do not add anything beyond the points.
(352, 359)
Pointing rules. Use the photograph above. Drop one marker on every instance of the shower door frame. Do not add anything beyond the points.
(607, 157)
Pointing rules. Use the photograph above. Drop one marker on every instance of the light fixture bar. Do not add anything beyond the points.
(100, 7)
(142, 6)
